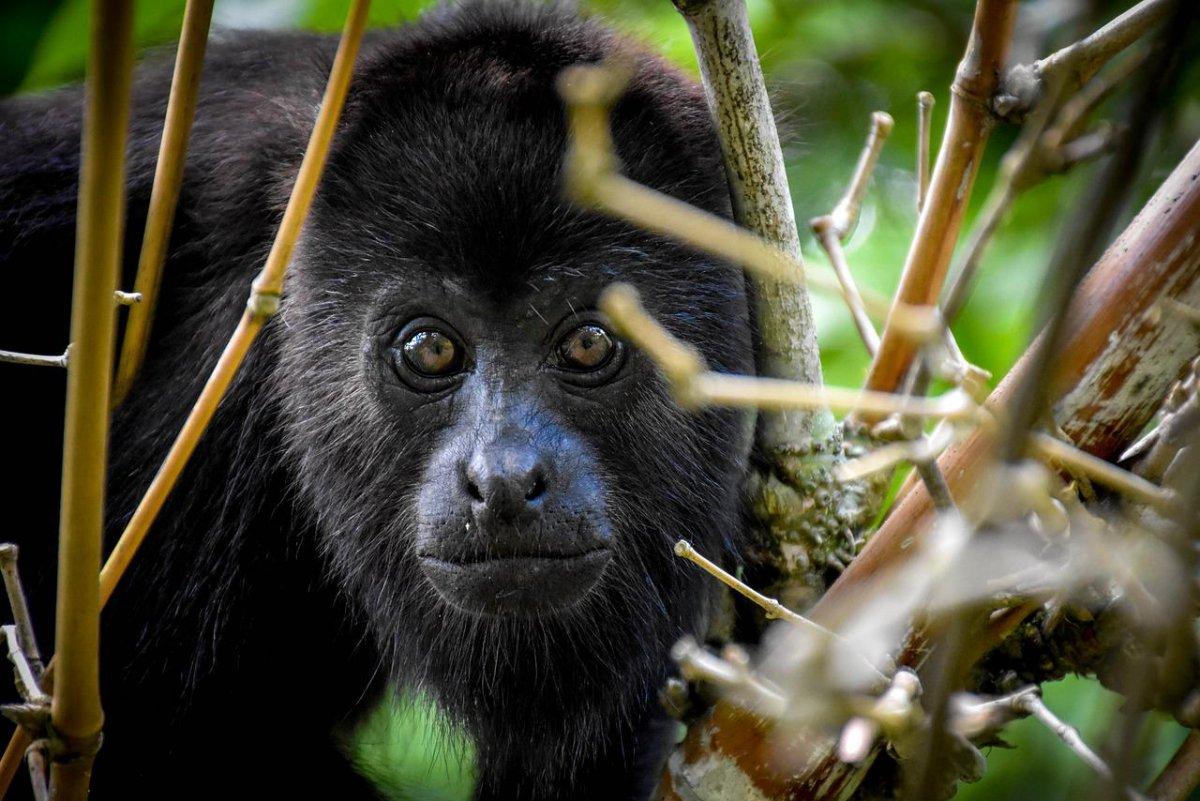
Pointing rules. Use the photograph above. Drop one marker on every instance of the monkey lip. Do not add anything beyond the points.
(517, 585)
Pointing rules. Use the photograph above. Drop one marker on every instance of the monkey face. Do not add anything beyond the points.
(485, 460)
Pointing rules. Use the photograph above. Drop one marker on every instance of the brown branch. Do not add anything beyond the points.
(1182, 773)
(164, 194)
(967, 129)
(1116, 364)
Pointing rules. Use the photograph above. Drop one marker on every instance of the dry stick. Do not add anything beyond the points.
(694, 385)
(1129, 484)
(967, 129)
(75, 707)
(773, 608)
(592, 180)
(262, 303)
(1117, 365)
(1075, 64)
(737, 98)
(833, 228)
(1016, 168)
(1181, 775)
(19, 606)
(168, 178)
(1076, 249)
(924, 127)
(35, 359)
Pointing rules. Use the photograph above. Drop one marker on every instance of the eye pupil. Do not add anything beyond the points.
(588, 347)
(432, 353)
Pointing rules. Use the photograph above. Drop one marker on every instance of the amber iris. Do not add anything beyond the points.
(588, 347)
(432, 353)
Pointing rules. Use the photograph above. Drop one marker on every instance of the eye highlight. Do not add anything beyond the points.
(586, 348)
(428, 355)
(432, 353)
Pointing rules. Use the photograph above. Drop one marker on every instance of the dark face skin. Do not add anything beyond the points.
(512, 516)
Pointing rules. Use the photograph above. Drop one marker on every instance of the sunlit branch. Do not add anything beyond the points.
(968, 126)
(694, 386)
(164, 192)
(892, 714)
(262, 303)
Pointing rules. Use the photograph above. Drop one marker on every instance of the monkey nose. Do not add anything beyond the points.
(505, 481)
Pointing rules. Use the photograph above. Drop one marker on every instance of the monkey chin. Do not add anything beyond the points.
(517, 586)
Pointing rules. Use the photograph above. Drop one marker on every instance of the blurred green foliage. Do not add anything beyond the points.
(828, 65)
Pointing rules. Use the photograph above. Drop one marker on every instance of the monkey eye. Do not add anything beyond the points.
(432, 353)
(586, 349)
(427, 355)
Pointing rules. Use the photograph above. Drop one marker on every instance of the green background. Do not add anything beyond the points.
(828, 64)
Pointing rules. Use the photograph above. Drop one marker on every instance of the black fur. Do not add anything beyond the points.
(279, 592)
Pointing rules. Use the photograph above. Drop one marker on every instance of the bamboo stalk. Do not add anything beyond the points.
(967, 129)
(75, 706)
(263, 302)
(168, 178)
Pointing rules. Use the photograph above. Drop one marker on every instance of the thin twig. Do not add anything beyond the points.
(694, 386)
(832, 244)
(774, 609)
(844, 216)
(771, 606)
(164, 193)
(262, 304)
(19, 606)
(833, 228)
(924, 132)
(1129, 484)
(34, 359)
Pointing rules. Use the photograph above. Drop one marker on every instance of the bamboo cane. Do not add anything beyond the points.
(264, 299)
(75, 707)
(168, 178)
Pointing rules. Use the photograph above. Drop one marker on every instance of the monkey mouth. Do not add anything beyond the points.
(518, 585)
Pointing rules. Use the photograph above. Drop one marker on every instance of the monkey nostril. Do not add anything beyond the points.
(473, 491)
(536, 489)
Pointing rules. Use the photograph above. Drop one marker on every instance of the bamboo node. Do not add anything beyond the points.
(263, 304)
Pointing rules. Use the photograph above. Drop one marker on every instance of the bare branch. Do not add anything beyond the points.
(20, 608)
(737, 98)
(34, 359)
(1181, 775)
(1075, 64)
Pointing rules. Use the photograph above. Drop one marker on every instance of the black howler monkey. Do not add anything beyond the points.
(440, 469)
